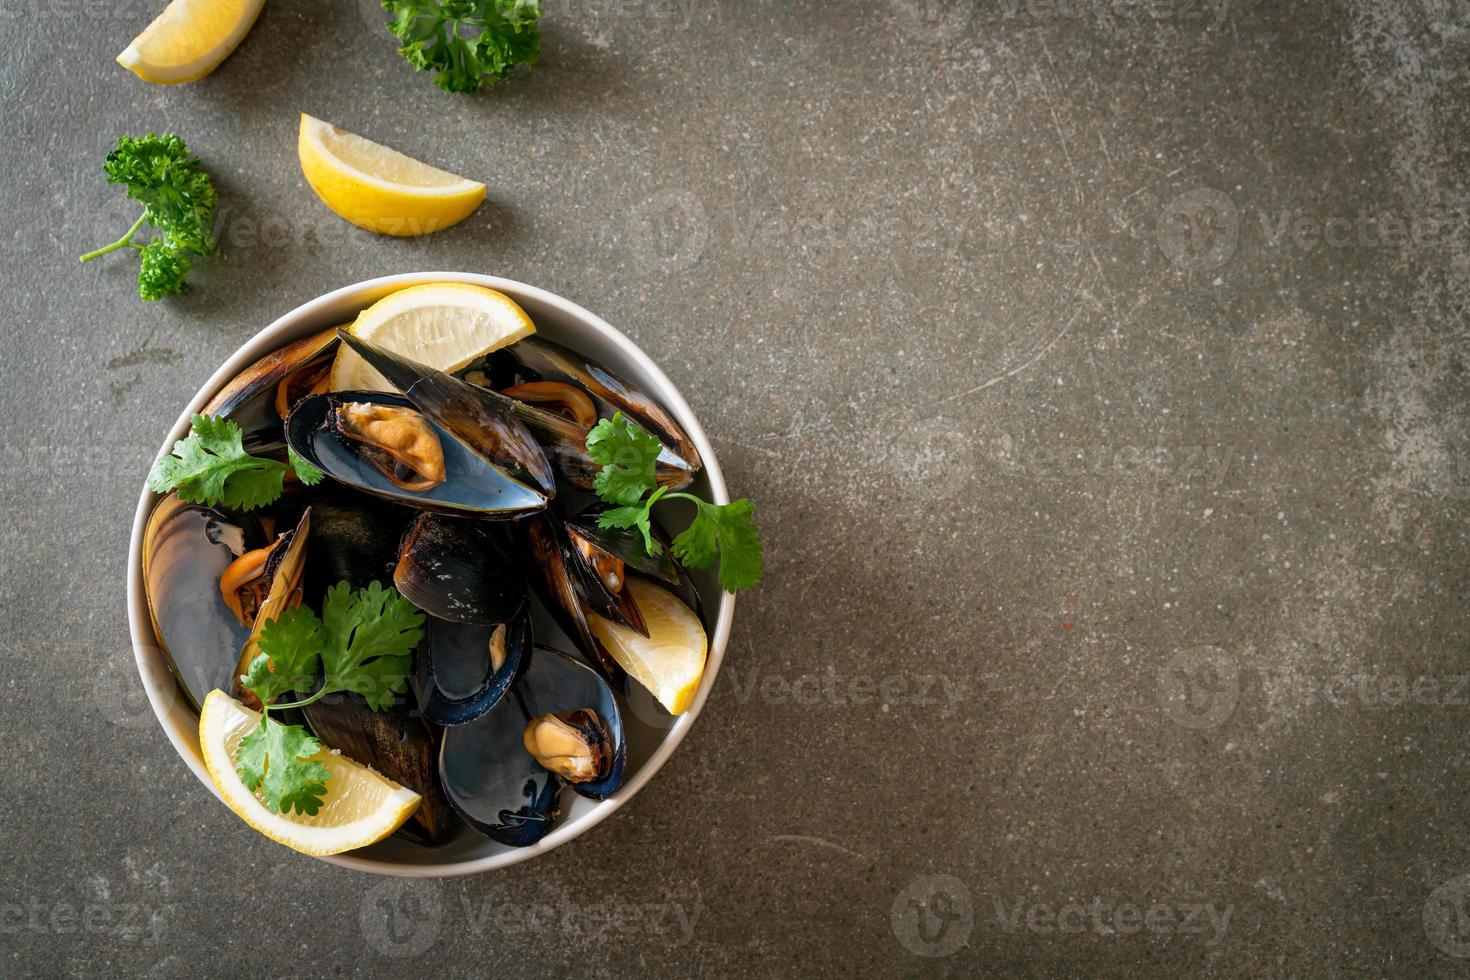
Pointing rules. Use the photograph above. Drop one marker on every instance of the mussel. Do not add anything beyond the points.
(354, 539)
(391, 447)
(187, 548)
(455, 569)
(259, 398)
(463, 670)
(557, 581)
(280, 584)
(395, 742)
(495, 769)
(549, 361)
(561, 437)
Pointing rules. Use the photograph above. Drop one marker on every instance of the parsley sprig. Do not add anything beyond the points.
(178, 200)
(719, 532)
(211, 467)
(362, 643)
(469, 43)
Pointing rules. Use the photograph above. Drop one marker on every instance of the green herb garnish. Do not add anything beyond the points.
(469, 43)
(720, 532)
(178, 200)
(362, 643)
(211, 467)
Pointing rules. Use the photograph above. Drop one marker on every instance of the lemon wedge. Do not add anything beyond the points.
(380, 189)
(189, 39)
(669, 661)
(360, 808)
(446, 325)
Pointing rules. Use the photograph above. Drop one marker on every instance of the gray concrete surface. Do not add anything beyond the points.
(1100, 372)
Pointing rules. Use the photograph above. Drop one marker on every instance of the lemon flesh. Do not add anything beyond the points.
(445, 325)
(189, 39)
(669, 661)
(360, 807)
(378, 188)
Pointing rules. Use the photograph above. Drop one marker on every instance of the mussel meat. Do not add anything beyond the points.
(569, 744)
(400, 442)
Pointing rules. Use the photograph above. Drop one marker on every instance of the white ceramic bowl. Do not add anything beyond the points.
(652, 735)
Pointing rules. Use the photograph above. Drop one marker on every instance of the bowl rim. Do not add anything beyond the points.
(179, 721)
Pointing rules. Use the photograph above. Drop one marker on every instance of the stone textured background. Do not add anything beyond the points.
(1099, 367)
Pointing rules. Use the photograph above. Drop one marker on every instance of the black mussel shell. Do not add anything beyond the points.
(474, 486)
(565, 443)
(397, 743)
(457, 680)
(456, 570)
(186, 548)
(354, 539)
(252, 400)
(556, 581)
(481, 422)
(286, 572)
(495, 784)
(552, 362)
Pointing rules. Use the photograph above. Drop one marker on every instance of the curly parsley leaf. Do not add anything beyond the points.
(179, 201)
(628, 454)
(276, 761)
(468, 43)
(163, 271)
(210, 466)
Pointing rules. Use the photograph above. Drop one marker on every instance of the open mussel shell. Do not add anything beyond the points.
(473, 485)
(565, 443)
(483, 424)
(285, 573)
(497, 786)
(259, 398)
(550, 361)
(557, 582)
(454, 569)
(464, 670)
(395, 742)
(186, 548)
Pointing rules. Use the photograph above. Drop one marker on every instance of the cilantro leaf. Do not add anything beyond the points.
(370, 638)
(724, 532)
(628, 455)
(179, 201)
(290, 655)
(636, 515)
(469, 43)
(210, 466)
(306, 471)
(276, 761)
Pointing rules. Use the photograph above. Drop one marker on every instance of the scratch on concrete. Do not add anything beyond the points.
(818, 842)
